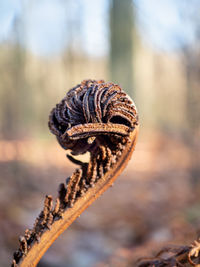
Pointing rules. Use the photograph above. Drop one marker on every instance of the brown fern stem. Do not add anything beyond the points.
(97, 117)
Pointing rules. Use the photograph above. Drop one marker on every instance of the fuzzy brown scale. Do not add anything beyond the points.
(56, 209)
(94, 117)
(23, 245)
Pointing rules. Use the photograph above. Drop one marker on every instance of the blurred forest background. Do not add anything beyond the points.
(152, 49)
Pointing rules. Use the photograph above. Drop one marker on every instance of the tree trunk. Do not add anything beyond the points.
(121, 44)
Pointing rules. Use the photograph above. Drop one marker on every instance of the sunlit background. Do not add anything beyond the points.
(152, 49)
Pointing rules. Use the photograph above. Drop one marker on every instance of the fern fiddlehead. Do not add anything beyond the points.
(95, 117)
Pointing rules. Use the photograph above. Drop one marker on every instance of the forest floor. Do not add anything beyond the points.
(153, 204)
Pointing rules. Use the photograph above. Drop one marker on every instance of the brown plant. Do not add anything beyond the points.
(94, 117)
(174, 256)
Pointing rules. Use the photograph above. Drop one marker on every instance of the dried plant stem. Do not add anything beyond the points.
(172, 256)
(101, 119)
